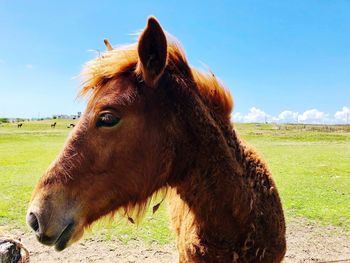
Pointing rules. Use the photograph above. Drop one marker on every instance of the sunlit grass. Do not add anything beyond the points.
(311, 168)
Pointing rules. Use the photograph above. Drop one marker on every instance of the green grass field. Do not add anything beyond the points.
(311, 165)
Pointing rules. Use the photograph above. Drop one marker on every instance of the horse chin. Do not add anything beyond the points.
(69, 235)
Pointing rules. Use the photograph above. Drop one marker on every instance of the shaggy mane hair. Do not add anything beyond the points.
(112, 63)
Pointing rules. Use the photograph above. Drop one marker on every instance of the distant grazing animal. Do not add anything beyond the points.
(53, 125)
(71, 125)
(152, 122)
(19, 125)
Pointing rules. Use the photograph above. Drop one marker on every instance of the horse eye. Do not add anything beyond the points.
(107, 119)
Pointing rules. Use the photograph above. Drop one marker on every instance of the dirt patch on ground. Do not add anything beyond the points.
(307, 242)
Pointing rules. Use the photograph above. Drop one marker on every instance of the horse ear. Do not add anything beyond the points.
(152, 51)
(108, 45)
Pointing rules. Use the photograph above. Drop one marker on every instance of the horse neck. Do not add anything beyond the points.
(212, 186)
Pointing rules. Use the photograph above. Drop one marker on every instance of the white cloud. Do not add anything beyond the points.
(2, 61)
(343, 115)
(29, 66)
(254, 115)
(237, 117)
(287, 116)
(312, 116)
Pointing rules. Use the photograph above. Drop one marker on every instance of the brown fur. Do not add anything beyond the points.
(176, 135)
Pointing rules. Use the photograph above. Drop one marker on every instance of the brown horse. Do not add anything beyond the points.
(152, 122)
(19, 125)
(53, 125)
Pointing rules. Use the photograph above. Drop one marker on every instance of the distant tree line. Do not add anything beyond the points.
(4, 120)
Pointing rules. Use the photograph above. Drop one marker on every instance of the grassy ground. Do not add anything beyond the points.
(310, 164)
(24, 155)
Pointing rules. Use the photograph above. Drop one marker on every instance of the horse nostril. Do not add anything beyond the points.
(33, 222)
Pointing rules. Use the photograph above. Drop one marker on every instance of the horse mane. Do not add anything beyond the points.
(218, 97)
(114, 62)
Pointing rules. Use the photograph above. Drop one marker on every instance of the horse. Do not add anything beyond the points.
(53, 125)
(19, 125)
(152, 122)
(72, 125)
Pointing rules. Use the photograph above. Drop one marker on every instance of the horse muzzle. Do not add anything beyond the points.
(53, 220)
(57, 234)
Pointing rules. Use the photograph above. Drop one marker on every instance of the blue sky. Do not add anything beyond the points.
(274, 56)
